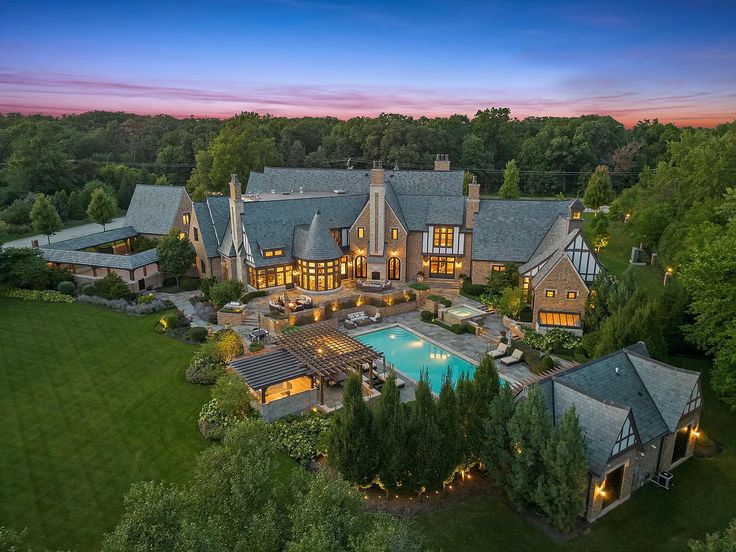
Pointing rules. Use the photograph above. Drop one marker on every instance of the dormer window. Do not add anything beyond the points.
(577, 215)
(273, 252)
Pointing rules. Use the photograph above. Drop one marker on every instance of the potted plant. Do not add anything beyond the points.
(420, 277)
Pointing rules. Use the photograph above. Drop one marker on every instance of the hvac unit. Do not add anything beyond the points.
(664, 480)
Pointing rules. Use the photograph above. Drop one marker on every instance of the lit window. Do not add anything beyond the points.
(182, 236)
(361, 232)
(185, 219)
(273, 252)
(394, 233)
(577, 215)
(443, 236)
(561, 319)
(196, 235)
(497, 268)
(550, 292)
(572, 294)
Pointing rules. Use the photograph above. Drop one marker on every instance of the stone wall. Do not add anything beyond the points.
(230, 318)
(414, 256)
(199, 249)
(293, 404)
(562, 278)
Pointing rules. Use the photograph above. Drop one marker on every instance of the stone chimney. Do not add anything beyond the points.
(575, 219)
(442, 162)
(377, 174)
(472, 204)
(236, 221)
(377, 211)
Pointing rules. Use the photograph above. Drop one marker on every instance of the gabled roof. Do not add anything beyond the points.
(315, 242)
(511, 230)
(556, 238)
(213, 217)
(153, 209)
(393, 201)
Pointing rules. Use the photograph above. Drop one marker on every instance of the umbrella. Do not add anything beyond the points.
(286, 302)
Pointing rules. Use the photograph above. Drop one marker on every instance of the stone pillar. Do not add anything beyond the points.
(377, 208)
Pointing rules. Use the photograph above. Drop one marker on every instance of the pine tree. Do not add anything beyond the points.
(350, 440)
(44, 217)
(426, 461)
(448, 421)
(510, 187)
(102, 207)
(464, 393)
(561, 494)
(61, 201)
(599, 191)
(529, 429)
(389, 431)
(497, 451)
(485, 386)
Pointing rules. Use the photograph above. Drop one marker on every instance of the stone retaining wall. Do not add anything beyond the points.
(230, 318)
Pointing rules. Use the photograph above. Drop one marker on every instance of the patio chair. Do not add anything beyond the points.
(400, 383)
(375, 318)
(514, 358)
(500, 351)
(349, 324)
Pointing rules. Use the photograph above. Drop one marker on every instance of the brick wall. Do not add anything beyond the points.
(562, 278)
(199, 248)
(414, 256)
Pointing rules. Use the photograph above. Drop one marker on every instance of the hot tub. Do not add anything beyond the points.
(460, 314)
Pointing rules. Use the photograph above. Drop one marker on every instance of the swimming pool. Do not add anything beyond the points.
(409, 353)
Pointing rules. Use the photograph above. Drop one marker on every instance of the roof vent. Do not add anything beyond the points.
(273, 191)
(339, 192)
(616, 370)
(301, 189)
(285, 193)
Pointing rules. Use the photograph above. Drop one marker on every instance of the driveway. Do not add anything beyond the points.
(67, 233)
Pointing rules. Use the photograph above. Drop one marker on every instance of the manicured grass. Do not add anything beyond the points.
(617, 253)
(6, 237)
(703, 500)
(91, 401)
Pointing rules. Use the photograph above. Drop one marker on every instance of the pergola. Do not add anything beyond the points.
(326, 351)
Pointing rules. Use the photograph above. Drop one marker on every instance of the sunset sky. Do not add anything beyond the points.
(675, 61)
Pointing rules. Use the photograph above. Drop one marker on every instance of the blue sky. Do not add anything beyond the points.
(633, 60)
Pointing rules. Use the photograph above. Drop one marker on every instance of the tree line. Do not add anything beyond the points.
(422, 445)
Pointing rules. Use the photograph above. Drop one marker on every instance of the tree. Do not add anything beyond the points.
(229, 344)
(233, 396)
(389, 423)
(426, 462)
(175, 254)
(465, 394)
(561, 494)
(723, 541)
(510, 187)
(497, 451)
(475, 155)
(44, 217)
(528, 430)
(350, 439)
(75, 205)
(316, 158)
(511, 302)
(448, 422)
(61, 202)
(102, 207)
(599, 191)
(18, 212)
(22, 267)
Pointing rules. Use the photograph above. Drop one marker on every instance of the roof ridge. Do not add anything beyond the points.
(662, 364)
(646, 389)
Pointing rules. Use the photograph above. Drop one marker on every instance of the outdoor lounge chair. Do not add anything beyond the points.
(500, 351)
(514, 358)
(349, 325)
(375, 318)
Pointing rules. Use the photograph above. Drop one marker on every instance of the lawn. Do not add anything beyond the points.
(90, 401)
(702, 500)
(7, 237)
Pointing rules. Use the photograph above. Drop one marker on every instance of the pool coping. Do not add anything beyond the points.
(430, 340)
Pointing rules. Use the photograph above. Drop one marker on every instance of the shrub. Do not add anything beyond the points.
(122, 305)
(556, 341)
(434, 297)
(145, 299)
(205, 285)
(225, 292)
(255, 347)
(426, 315)
(213, 423)
(229, 344)
(460, 329)
(445, 302)
(252, 295)
(198, 334)
(112, 287)
(206, 365)
(548, 362)
(470, 288)
(418, 286)
(18, 212)
(66, 287)
(168, 321)
(88, 289)
(46, 296)
(300, 436)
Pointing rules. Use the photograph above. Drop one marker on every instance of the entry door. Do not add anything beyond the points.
(142, 284)
(681, 440)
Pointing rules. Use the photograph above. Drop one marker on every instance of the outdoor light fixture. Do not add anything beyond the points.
(695, 433)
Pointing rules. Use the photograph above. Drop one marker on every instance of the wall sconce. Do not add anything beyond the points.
(695, 433)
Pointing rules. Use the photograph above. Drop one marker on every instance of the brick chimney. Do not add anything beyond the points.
(377, 210)
(442, 162)
(236, 221)
(472, 204)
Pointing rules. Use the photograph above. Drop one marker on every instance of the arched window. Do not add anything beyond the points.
(394, 268)
(361, 269)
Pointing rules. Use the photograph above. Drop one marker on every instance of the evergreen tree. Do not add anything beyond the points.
(529, 429)
(448, 421)
(426, 464)
(44, 217)
(599, 191)
(389, 423)
(175, 254)
(60, 201)
(350, 445)
(464, 393)
(510, 187)
(497, 451)
(75, 205)
(561, 494)
(102, 207)
(485, 386)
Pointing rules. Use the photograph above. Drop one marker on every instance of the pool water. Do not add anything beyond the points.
(464, 312)
(409, 353)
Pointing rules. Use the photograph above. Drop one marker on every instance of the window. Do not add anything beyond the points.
(442, 267)
(394, 233)
(271, 276)
(443, 236)
(273, 252)
(626, 438)
(185, 219)
(577, 215)
(525, 284)
(203, 266)
(196, 234)
(182, 236)
(394, 268)
(344, 266)
(361, 231)
(550, 292)
(319, 275)
(498, 268)
(572, 294)
(561, 319)
(361, 270)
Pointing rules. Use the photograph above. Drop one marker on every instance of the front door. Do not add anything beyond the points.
(442, 267)
(681, 440)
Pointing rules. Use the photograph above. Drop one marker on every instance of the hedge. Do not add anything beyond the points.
(252, 295)
(45, 295)
(418, 286)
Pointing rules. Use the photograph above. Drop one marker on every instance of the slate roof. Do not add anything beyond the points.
(655, 394)
(272, 224)
(92, 240)
(262, 371)
(126, 262)
(511, 230)
(315, 242)
(557, 237)
(212, 216)
(153, 209)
